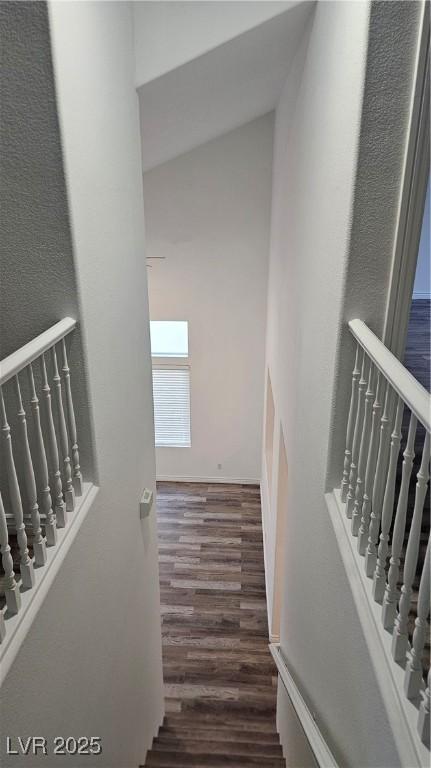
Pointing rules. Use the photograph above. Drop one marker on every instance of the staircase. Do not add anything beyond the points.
(208, 740)
(220, 678)
(381, 520)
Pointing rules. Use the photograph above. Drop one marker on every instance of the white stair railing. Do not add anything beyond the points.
(30, 512)
(11, 589)
(382, 392)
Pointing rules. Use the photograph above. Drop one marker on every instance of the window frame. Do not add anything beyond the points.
(171, 362)
(170, 356)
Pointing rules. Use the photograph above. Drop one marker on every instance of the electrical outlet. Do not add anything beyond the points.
(146, 503)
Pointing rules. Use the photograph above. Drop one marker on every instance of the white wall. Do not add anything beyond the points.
(338, 152)
(169, 34)
(296, 748)
(228, 86)
(91, 662)
(422, 286)
(207, 213)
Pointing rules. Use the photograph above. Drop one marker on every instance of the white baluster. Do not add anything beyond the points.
(413, 678)
(77, 477)
(26, 564)
(12, 593)
(370, 470)
(64, 442)
(46, 501)
(391, 593)
(400, 634)
(39, 544)
(350, 427)
(365, 438)
(424, 715)
(379, 485)
(379, 579)
(60, 507)
(356, 438)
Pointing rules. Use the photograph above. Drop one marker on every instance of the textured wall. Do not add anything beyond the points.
(91, 662)
(339, 146)
(37, 274)
(207, 212)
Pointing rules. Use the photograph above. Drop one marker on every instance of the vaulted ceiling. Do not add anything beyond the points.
(235, 81)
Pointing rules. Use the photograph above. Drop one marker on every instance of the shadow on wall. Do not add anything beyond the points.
(37, 270)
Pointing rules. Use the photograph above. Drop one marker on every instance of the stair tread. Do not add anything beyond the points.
(177, 760)
(219, 721)
(196, 747)
(220, 678)
(217, 734)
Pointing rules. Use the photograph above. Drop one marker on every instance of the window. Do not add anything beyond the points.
(171, 390)
(171, 383)
(169, 338)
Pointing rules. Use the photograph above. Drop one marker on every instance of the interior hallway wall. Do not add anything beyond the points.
(91, 661)
(37, 273)
(339, 143)
(207, 213)
(169, 34)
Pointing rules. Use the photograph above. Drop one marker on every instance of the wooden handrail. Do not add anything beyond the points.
(14, 363)
(401, 380)
(318, 745)
(368, 491)
(42, 459)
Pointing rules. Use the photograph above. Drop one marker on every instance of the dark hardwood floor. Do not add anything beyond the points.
(417, 359)
(417, 355)
(220, 680)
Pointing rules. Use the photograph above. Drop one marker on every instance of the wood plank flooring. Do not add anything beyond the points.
(417, 355)
(417, 359)
(220, 680)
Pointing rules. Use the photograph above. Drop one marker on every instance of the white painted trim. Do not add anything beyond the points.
(264, 500)
(421, 295)
(17, 626)
(402, 713)
(319, 747)
(193, 479)
(14, 363)
(401, 380)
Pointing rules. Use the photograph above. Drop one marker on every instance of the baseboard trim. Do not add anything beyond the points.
(199, 479)
(318, 745)
(401, 713)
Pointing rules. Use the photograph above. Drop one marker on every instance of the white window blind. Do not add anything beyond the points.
(171, 392)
